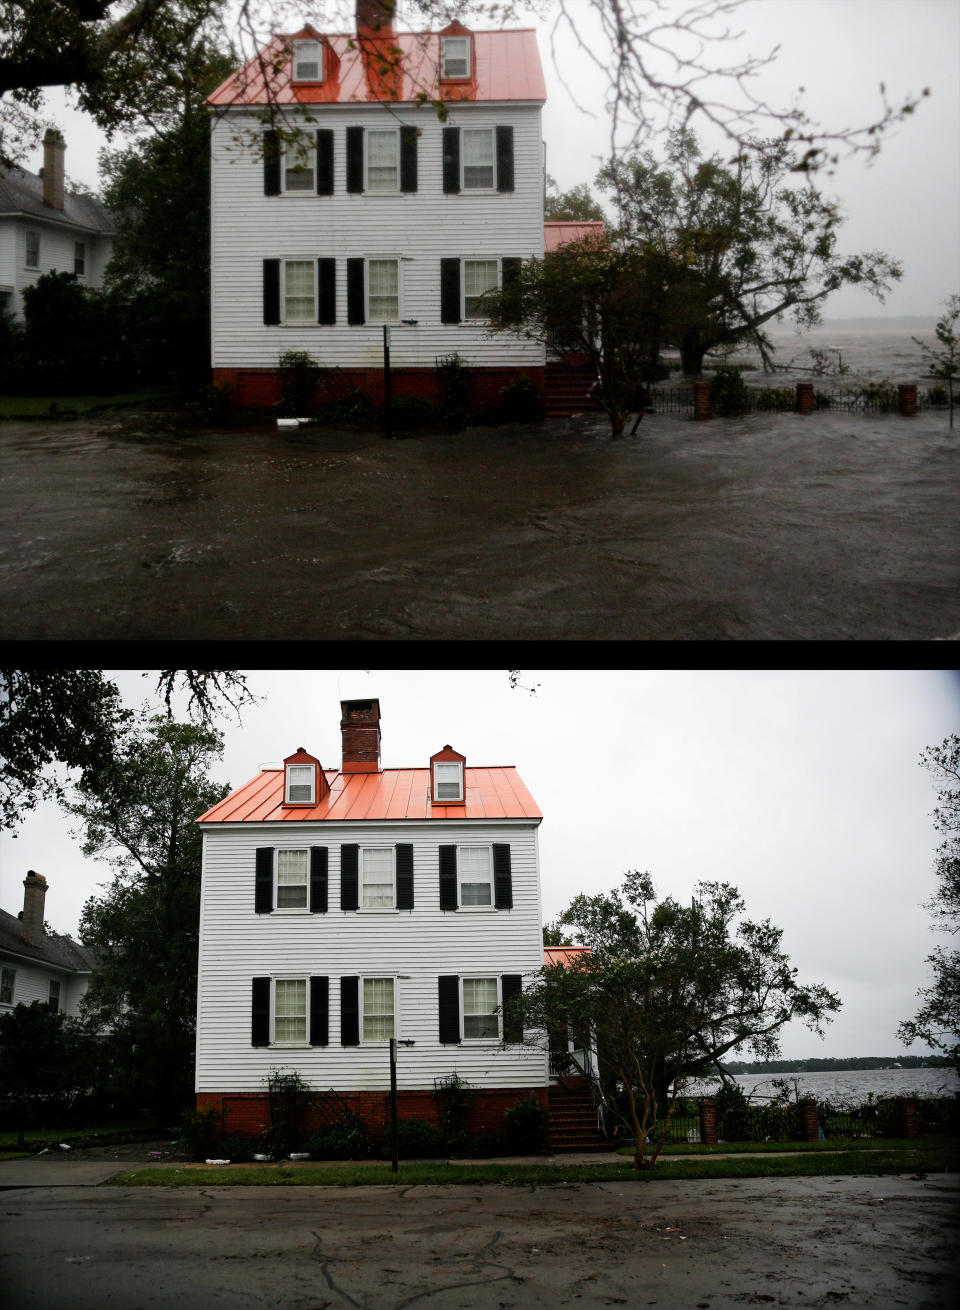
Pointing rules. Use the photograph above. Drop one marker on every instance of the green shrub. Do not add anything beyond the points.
(415, 1138)
(937, 397)
(728, 391)
(527, 1126)
(779, 399)
(347, 1139)
(289, 1098)
(485, 1144)
(199, 1128)
(520, 401)
(413, 412)
(239, 1149)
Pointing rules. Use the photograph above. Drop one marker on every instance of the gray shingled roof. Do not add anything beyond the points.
(62, 952)
(22, 193)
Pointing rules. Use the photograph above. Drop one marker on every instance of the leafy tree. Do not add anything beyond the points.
(576, 205)
(146, 924)
(937, 1022)
(945, 363)
(46, 1062)
(159, 190)
(553, 935)
(593, 301)
(118, 55)
(740, 245)
(76, 718)
(669, 989)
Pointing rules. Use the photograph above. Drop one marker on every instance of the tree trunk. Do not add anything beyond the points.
(692, 350)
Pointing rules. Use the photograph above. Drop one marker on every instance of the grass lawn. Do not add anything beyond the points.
(12, 407)
(927, 1155)
(36, 1139)
(752, 1148)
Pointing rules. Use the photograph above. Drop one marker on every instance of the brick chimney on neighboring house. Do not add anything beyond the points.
(375, 17)
(360, 733)
(34, 894)
(53, 149)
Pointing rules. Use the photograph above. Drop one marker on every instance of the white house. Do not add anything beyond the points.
(39, 966)
(46, 229)
(342, 202)
(343, 907)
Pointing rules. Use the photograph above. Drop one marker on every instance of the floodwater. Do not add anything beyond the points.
(847, 1086)
(765, 527)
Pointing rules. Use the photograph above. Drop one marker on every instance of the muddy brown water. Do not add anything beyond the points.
(766, 527)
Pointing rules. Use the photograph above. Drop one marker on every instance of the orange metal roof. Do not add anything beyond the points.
(563, 954)
(507, 67)
(491, 793)
(558, 232)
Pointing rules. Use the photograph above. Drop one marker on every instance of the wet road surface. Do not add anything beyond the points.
(767, 527)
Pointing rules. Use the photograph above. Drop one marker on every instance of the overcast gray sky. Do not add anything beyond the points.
(907, 202)
(801, 788)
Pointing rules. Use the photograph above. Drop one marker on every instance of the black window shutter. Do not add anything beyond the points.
(325, 161)
(449, 1002)
(263, 887)
(451, 160)
(318, 879)
(327, 287)
(355, 305)
(271, 163)
(349, 1011)
(349, 861)
(511, 985)
(504, 158)
(408, 159)
(260, 1028)
(405, 876)
(449, 290)
(319, 1011)
(271, 291)
(502, 878)
(354, 159)
(448, 877)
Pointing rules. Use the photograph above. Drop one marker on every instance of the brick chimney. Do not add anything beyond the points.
(53, 148)
(375, 17)
(360, 732)
(34, 894)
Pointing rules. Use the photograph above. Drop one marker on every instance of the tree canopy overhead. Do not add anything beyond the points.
(665, 62)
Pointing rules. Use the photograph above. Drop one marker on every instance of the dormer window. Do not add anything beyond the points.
(308, 61)
(454, 56)
(447, 785)
(303, 780)
(300, 780)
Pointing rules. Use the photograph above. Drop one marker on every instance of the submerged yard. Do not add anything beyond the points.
(766, 527)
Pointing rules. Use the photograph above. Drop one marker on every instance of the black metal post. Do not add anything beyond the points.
(387, 425)
(393, 1102)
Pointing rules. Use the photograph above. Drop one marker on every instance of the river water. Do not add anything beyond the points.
(850, 1086)
(820, 355)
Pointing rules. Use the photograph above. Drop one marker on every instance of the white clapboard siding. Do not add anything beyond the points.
(415, 946)
(56, 254)
(420, 228)
(32, 983)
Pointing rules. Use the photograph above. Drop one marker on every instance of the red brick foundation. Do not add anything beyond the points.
(252, 388)
(708, 1121)
(248, 1113)
(701, 400)
(806, 400)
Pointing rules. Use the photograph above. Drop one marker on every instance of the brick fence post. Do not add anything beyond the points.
(907, 399)
(701, 400)
(908, 1117)
(708, 1121)
(809, 1127)
(806, 402)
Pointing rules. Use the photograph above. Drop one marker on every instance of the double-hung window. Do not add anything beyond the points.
(7, 979)
(455, 56)
(32, 256)
(377, 878)
(293, 875)
(479, 277)
(299, 291)
(298, 165)
(383, 290)
(79, 258)
(290, 1010)
(481, 1000)
(54, 995)
(383, 159)
(475, 872)
(447, 781)
(379, 1011)
(307, 61)
(300, 779)
(479, 159)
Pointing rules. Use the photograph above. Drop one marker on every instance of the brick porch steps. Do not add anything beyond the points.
(573, 1121)
(565, 391)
